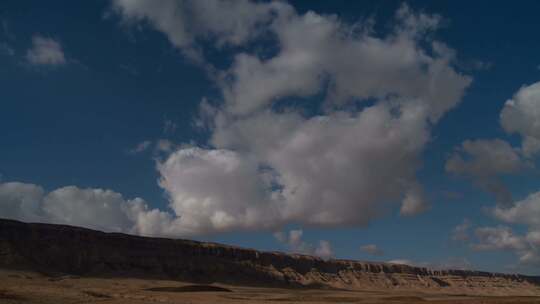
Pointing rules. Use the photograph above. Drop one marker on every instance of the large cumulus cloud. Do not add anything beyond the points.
(267, 163)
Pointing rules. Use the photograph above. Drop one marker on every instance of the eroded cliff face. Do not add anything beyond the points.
(59, 249)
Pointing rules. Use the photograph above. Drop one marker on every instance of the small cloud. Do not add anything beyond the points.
(169, 126)
(164, 145)
(483, 65)
(449, 263)
(324, 250)
(484, 161)
(461, 231)
(474, 65)
(158, 146)
(401, 262)
(414, 202)
(130, 69)
(141, 147)
(293, 240)
(372, 249)
(45, 51)
(6, 30)
(6, 49)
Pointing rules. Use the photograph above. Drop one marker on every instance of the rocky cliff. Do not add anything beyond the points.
(59, 249)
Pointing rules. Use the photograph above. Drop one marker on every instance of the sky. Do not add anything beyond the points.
(404, 132)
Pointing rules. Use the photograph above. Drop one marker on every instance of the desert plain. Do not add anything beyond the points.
(31, 287)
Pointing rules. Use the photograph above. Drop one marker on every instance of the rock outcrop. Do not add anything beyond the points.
(60, 249)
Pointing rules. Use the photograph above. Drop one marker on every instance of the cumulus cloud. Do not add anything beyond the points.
(312, 171)
(45, 51)
(461, 231)
(21, 201)
(373, 249)
(227, 23)
(317, 50)
(414, 202)
(293, 240)
(262, 167)
(501, 238)
(484, 161)
(217, 190)
(521, 115)
(526, 246)
(526, 212)
(92, 208)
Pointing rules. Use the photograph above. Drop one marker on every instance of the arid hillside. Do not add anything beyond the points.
(58, 250)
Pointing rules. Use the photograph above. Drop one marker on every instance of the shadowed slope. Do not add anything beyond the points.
(60, 249)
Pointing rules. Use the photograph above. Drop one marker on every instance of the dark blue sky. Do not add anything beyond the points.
(75, 123)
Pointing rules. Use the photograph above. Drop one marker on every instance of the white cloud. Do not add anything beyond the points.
(217, 190)
(317, 49)
(485, 161)
(262, 168)
(95, 208)
(401, 262)
(449, 263)
(324, 250)
(488, 160)
(521, 115)
(332, 170)
(503, 238)
(414, 202)
(526, 246)
(92, 208)
(184, 22)
(141, 147)
(45, 51)
(293, 240)
(526, 212)
(20, 201)
(461, 231)
(372, 249)
(498, 238)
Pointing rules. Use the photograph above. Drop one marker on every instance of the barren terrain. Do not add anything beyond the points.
(43, 263)
(29, 287)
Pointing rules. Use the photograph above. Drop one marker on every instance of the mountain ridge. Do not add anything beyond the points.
(62, 249)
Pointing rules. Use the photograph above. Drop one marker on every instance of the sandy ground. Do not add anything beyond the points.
(25, 287)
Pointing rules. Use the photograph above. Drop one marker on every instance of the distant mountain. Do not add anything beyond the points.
(60, 249)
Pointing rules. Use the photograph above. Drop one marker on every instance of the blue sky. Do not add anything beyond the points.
(102, 100)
